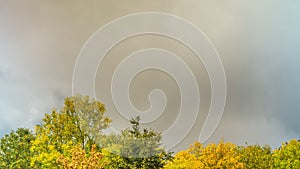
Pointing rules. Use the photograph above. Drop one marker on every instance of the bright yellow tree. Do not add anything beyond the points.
(213, 156)
(287, 156)
(79, 122)
(184, 160)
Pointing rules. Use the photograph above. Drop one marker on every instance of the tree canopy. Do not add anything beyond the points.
(73, 138)
(79, 123)
(15, 149)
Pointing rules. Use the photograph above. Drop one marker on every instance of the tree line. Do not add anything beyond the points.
(73, 138)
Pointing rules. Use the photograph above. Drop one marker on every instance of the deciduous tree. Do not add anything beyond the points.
(255, 156)
(79, 122)
(79, 158)
(15, 149)
(213, 156)
(287, 156)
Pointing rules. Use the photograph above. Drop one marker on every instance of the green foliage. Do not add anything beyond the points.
(14, 149)
(72, 138)
(79, 122)
(256, 156)
(138, 148)
(288, 155)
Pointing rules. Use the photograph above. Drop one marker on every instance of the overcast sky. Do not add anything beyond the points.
(258, 42)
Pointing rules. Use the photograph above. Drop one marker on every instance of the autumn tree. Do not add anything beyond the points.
(79, 158)
(287, 156)
(15, 149)
(183, 160)
(78, 123)
(255, 156)
(213, 156)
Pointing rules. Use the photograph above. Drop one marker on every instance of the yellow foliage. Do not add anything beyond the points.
(79, 158)
(184, 160)
(213, 156)
(255, 156)
(288, 155)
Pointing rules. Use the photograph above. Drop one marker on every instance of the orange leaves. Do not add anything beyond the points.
(79, 158)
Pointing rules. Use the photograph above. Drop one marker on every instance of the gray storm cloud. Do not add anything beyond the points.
(258, 43)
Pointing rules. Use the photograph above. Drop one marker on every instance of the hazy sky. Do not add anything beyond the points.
(258, 42)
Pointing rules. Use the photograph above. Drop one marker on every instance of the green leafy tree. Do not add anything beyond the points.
(15, 149)
(287, 156)
(138, 148)
(255, 156)
(79, 122)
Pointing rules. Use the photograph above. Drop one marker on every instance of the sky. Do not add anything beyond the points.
(258, 43)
